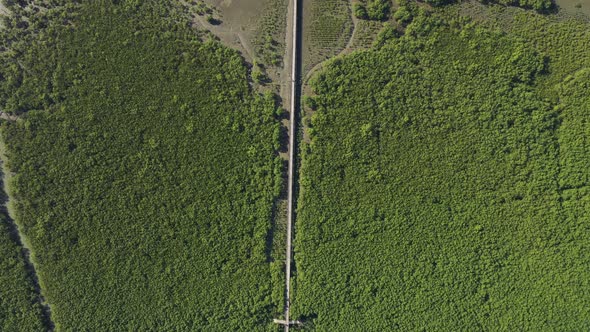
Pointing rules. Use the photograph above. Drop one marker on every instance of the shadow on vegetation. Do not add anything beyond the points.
(25, 253)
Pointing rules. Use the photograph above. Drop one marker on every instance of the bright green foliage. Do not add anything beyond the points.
(435, 190)
(574, 180)
(360, 11)
(565, 43)
(403, 14)
(377, 10)
(574, 128)
(145, 176)
(387, 33)
(20, 309)
(407, 11)
(21, 28)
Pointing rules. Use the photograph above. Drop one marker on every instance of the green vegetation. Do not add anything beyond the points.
(20, 308)
(404, 14)
(327, 28)
(407, 10)
(146, 172)
(439, 2)
(278, 253)
(445, 187)
(202, 9)
(196, 8)
(538, 5)
(258, 74)
(269, 40)
(376, 10)
(561, 39)
(575, 174)
(367, 32)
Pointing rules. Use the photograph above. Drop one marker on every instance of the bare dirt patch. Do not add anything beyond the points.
(575, 7)
(256, 28)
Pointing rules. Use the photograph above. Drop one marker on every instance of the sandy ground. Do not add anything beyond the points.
(235, 30)
(575, 6)
(239, 21)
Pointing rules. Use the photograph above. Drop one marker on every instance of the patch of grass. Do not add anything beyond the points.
(562, 38)
(542, 6)
(269, 39)
(146, 173)
(327, 28)
(366, 33)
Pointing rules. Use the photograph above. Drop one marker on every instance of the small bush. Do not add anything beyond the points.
(360, 11)
(403, 15)
(378, 10)
(375, 10)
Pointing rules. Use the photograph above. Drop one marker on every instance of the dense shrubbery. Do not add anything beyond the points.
(443, 191)
(20, 309)
(377, 10)
(539, 5)
(146, 173)
(574, 179)
(439, 2)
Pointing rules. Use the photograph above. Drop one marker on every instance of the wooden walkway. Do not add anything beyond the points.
(292, 147)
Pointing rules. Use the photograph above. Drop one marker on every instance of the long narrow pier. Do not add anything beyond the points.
(292, 148)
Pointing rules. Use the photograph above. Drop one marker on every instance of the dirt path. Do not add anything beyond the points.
(355, 22)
